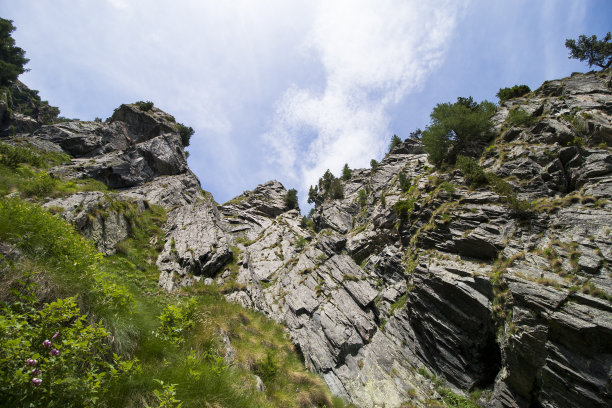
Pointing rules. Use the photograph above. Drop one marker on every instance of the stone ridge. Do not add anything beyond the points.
(465, 289)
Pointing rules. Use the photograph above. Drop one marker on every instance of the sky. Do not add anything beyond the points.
(285, 89)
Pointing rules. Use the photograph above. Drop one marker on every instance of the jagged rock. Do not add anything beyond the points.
(96, 217)
(143, 125)
(195, 245)
(159, 156)
(86, 139)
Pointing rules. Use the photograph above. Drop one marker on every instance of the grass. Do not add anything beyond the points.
(121, 292)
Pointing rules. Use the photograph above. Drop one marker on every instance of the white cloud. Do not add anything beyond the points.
(373, 53)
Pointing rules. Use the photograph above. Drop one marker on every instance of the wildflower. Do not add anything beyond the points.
(46, 343)
(35, 371)
(55, 336)
(54, 352)
(31, 362)
(36, 381)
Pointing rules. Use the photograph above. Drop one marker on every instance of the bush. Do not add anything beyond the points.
(373, 165)
(472, 172)
(346, 172)
(176, 320)
(518, 117)
(53, 357)
(11, 156)
(291, 200)
(516, 91)
(395, 140)
(404, 182)
(363, 198)
(185, 132)
(403, 208)
(144, 106)
(460, 126)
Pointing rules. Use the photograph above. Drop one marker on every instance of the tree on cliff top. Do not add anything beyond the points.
(591, 50)
(12, 58)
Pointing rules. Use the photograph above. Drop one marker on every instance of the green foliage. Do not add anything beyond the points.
(473, 173)
(144, 106)
(312, 194)
(521, 208)
(346, 172)
(52, 357)
(399, 303)
(300, 243)
(373, 165)
(457, 126)
(518, 117)
(404, 182)
(12, 58)
(453, 400)
(395, 140)
(595, 52)
(185, 132)
(516, 91)
(176, 320)
(362, 198)
(329, 187)
(291, 200)
(166, 396)
(267, 368)
(403, 208)
(11, 156)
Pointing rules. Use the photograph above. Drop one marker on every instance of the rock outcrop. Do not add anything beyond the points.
(399, 291)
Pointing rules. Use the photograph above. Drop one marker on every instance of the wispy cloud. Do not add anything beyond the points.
(373, 53)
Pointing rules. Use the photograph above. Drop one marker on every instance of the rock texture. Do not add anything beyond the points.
(463, 288)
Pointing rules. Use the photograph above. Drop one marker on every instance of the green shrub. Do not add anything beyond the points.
(144, 106)
(11, 156)
(52, 357)
(403, 208)
(457, 126)
(518, 117)
(373, 165)
(473, 173)
(185, 132)
(267, 368)
(395, 141)
(41, 185)
(362, 198)
(404, 182)
(176, 320)
(346, 172)
(291, 200)
(516, 91)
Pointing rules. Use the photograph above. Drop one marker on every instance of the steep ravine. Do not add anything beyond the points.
(463, 291)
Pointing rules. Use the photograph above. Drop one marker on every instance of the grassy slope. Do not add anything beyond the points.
(121, 291)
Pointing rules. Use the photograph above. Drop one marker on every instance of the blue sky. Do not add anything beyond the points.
(286, 89)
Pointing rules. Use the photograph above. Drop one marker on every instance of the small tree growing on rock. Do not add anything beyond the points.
(595, 52)
(395, 140)
(291, 200)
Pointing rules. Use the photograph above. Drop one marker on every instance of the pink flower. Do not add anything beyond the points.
(31, 362)
(55, 336)
(36, 381)
(46, 343)
(54, 352)
(35, 371)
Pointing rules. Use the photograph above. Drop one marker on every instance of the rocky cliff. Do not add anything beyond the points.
(400, 294)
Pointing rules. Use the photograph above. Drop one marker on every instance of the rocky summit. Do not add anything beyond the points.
(414, 282)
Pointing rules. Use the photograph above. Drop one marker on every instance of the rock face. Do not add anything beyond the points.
(462, 287)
